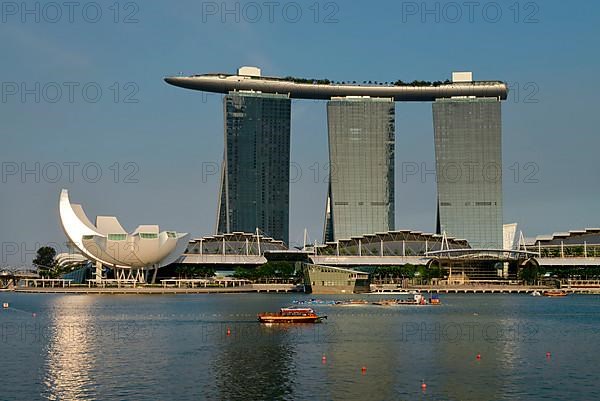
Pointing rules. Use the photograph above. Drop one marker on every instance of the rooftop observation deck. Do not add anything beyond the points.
(323, 89)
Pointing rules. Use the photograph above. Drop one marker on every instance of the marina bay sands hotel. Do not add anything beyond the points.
(361, 123)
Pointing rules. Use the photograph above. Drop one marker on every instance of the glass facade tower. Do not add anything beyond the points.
(361, 155)
(255, 176)
(468, 152)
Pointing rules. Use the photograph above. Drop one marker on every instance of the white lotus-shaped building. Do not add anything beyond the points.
(131, 255)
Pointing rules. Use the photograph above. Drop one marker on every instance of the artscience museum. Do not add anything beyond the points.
(136, 256)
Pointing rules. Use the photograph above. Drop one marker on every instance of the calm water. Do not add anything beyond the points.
(176, 348)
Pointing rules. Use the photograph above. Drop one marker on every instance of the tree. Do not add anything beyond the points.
(531, 273)
(182, 270)
(44, 261)
(270, 270)
(193, 271)
(434, 271)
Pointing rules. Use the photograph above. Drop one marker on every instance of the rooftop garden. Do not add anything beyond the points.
(369, 83)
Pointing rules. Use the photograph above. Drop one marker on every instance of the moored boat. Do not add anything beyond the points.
(435, 300)
(418, 299)
(555, 293)
(353, 302)
(291, 315)
(314, 302)
(391, 292)
(386, 302)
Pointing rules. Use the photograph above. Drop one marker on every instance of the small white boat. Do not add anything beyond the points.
(536, 294)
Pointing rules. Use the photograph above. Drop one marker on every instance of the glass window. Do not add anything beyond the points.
(148, 235)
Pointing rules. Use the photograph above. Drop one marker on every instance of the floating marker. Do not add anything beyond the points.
(228, 331)
(33, 314)
(478, 356)
(423, 385)
(548, 355)
(363, 370)
(324, 359)
(5, 305)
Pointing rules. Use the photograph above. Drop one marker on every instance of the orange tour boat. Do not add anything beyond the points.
(291, 315)
(554, 293)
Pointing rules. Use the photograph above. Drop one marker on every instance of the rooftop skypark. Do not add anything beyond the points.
(250, 79)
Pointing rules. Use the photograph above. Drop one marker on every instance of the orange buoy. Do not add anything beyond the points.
(423, 385)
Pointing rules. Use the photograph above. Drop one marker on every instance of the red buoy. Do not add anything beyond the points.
(423, 385)
(324, 359)
(228, 332)
(478, 356)
(363, 370)
(548, 355)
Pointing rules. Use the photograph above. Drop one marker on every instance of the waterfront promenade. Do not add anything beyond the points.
(250, 288)
(285, 288)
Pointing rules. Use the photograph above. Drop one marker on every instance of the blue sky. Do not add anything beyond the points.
(158, 138)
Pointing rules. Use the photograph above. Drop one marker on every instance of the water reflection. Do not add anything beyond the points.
(257, 362)
(364, 345)
(69, 354)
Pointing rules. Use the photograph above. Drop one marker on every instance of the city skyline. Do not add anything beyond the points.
(219, 226)
(361, 142)
(160, 136)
